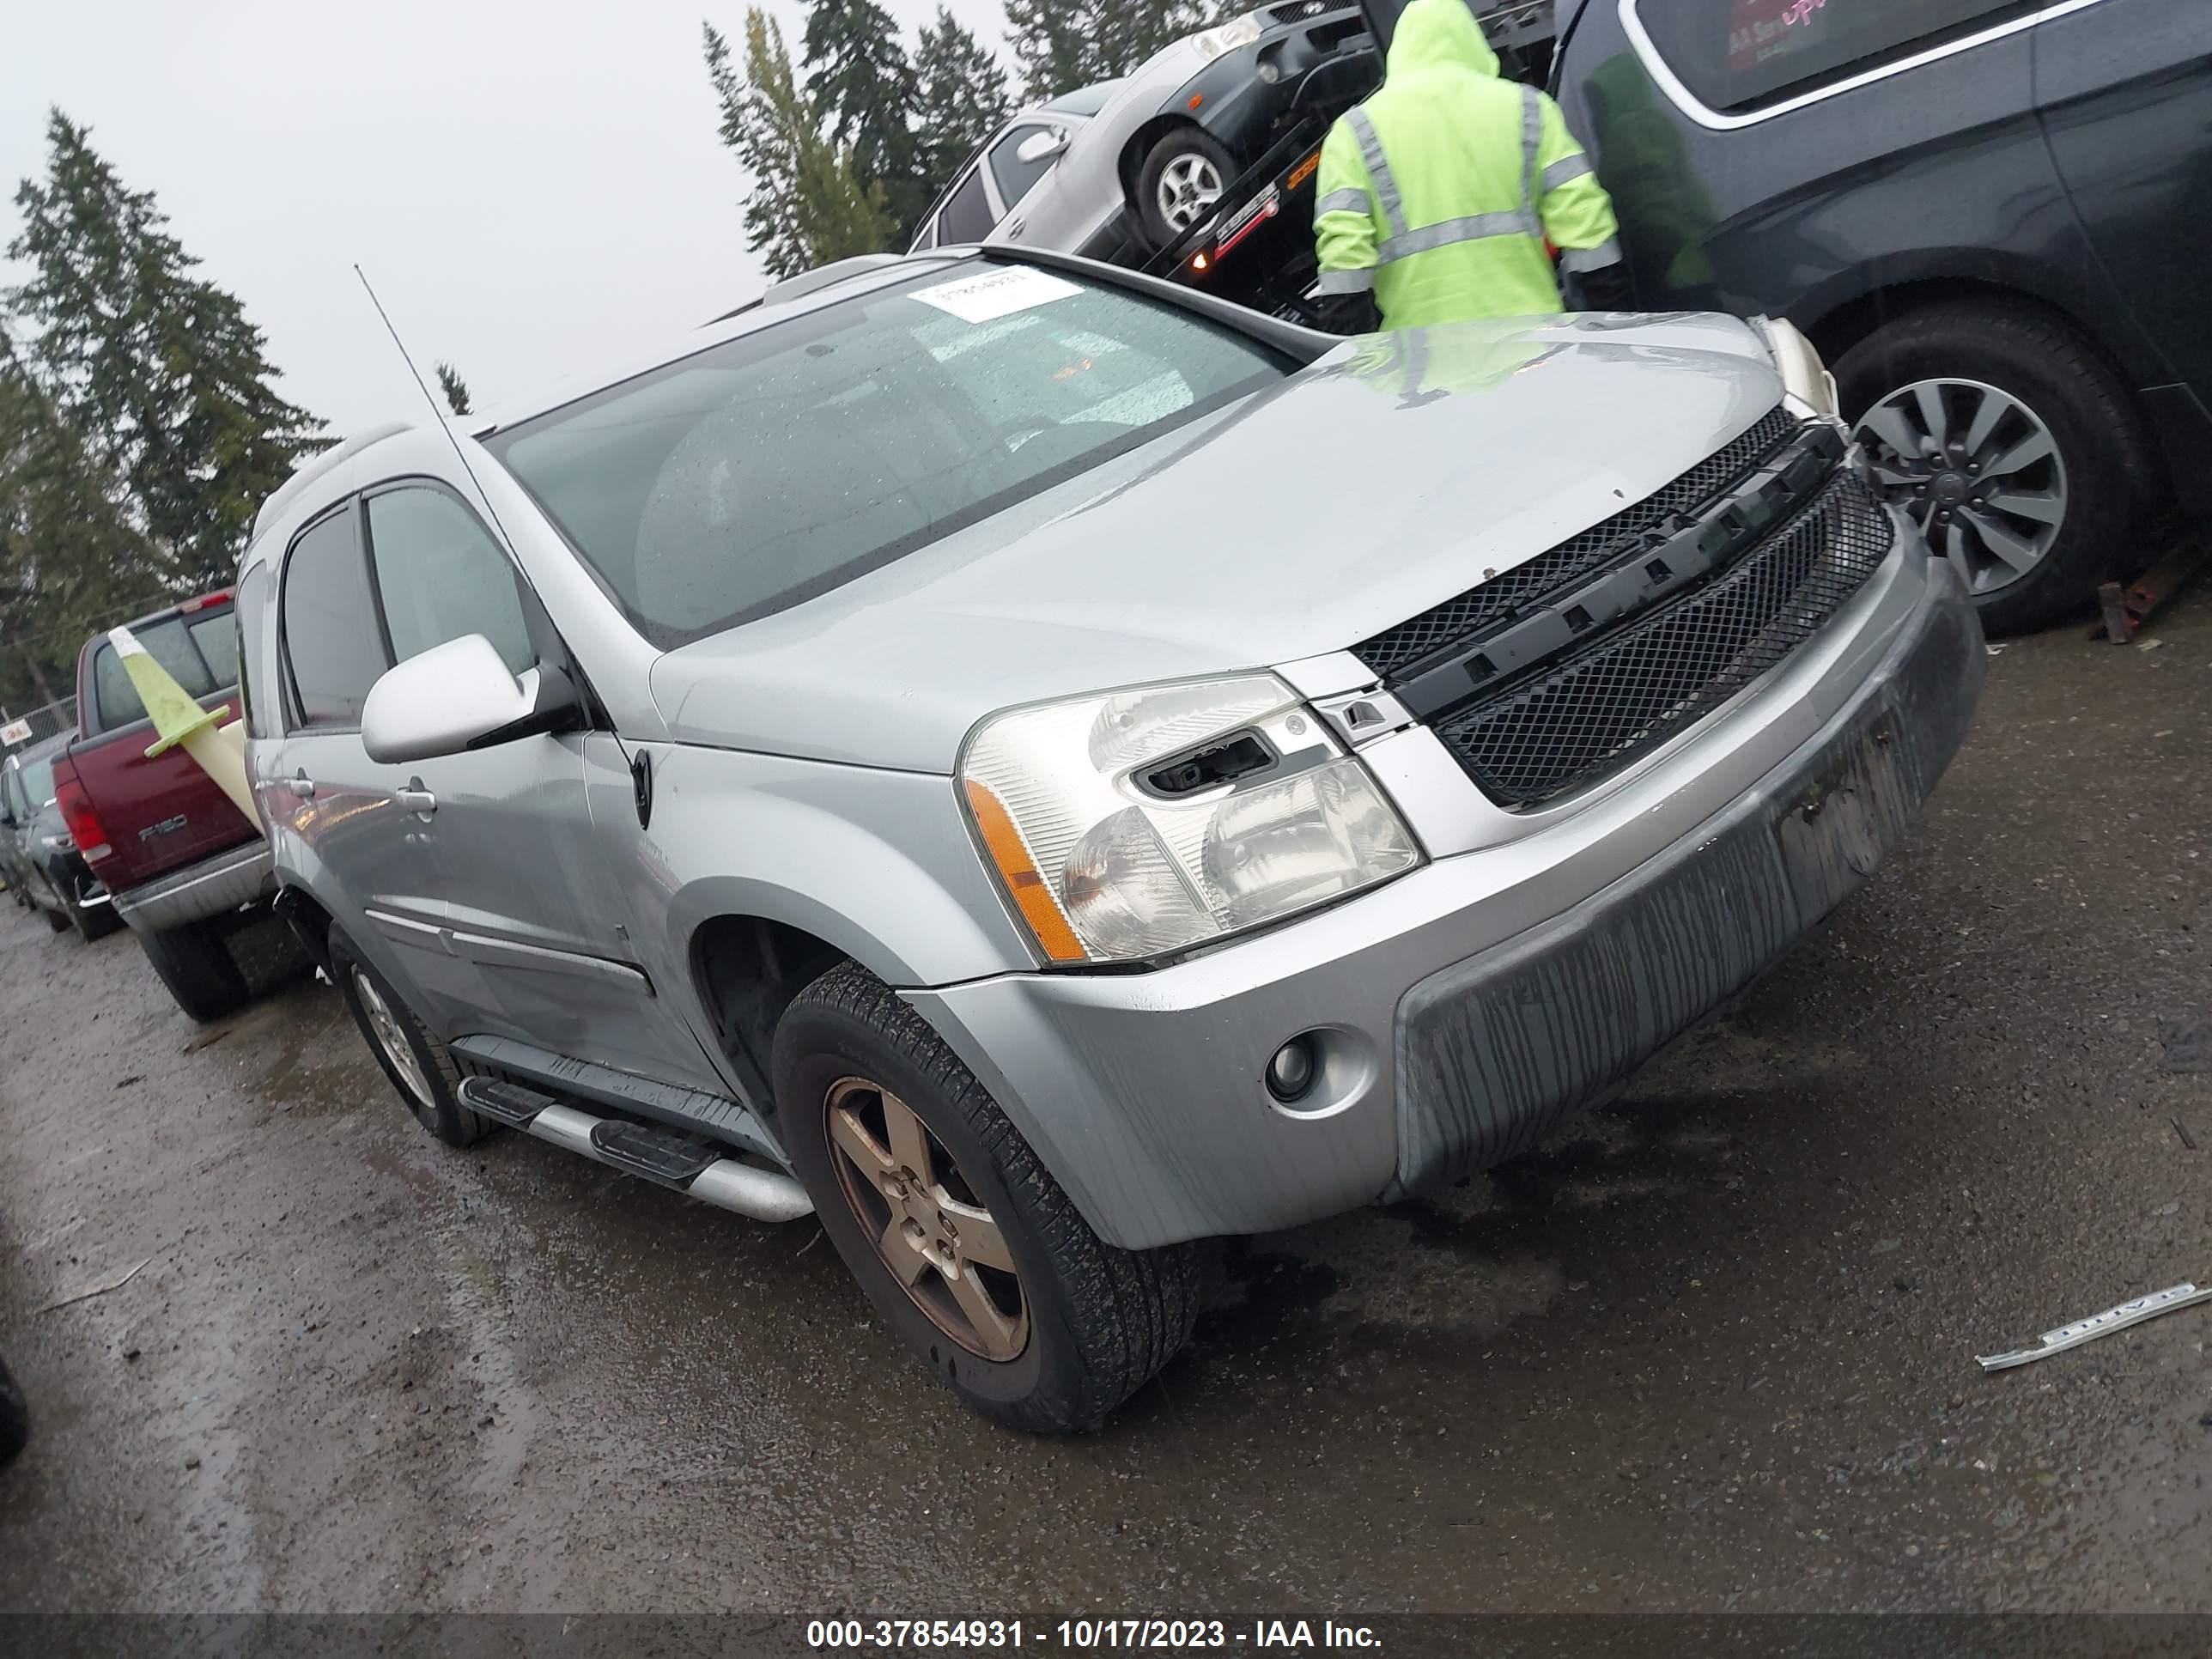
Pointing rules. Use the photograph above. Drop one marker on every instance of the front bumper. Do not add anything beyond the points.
(1466, 1008)
(213, 887)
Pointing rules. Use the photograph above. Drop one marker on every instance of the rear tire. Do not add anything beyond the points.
(197, 966)
(2103, 473)
(1183, 177)
(1082, 1324)
(420, 1068)
(56, 920)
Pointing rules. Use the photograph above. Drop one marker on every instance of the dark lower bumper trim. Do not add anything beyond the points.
(1494, 1051)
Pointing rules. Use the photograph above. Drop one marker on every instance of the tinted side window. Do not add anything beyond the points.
(1016, 176)
(967, 217)
(440, 576)
(1737, 54)
(333, 650)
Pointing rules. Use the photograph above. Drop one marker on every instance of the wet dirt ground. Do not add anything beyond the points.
(1711, 1349)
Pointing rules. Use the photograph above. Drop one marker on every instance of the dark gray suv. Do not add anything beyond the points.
(1987, 214)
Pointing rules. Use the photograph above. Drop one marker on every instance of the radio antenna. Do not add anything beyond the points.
(439, 414)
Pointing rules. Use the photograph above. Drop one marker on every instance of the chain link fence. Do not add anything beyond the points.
(28, 725)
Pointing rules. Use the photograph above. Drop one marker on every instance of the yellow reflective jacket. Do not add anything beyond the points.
(1440, 191)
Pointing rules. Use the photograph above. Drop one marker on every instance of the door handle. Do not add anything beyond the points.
(416, 800)
(302, 785)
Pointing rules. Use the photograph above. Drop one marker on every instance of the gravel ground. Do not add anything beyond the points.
(1711, 1349)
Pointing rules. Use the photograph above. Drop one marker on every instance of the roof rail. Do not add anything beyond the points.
(790, 288)
(314, 467)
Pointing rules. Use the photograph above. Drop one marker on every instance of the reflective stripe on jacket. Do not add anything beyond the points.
(1440, 191)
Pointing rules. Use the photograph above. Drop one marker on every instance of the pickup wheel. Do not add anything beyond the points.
(420, 1066)
(55, 920)
(196, 967)
(965, 1244)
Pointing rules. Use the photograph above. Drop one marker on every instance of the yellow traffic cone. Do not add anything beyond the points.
(219, 749)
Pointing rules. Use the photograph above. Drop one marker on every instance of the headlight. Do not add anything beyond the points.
(1214, 43)
(1133, 823)
(1804, 376)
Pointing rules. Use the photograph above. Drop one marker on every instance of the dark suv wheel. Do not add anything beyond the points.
(2007, 438)
(966, 1246)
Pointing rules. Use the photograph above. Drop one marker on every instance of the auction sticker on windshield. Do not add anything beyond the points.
(1000, 292)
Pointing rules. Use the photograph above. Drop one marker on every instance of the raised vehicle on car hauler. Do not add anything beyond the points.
(182, 866)
(1044, 768)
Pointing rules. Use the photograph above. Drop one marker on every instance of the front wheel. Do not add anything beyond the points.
(1183, 177)
(2008, 440)
(963, 1241)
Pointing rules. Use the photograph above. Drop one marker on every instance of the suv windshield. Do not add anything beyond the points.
(759, 473)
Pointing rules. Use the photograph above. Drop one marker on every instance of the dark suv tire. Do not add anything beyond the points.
(420, 1066)
(2006, 382)
(967, 1247)
(196, 967)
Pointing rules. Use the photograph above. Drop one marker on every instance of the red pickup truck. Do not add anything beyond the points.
(184, 867)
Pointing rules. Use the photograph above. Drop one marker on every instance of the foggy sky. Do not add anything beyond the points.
(533, 188)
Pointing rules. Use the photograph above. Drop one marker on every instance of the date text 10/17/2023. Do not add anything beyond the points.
(1085, 1634)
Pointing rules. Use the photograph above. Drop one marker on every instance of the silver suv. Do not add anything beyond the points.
(1041, 770)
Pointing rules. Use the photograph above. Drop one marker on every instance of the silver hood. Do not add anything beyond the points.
(1394, 472)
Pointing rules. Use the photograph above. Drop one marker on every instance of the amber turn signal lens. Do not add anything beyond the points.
(1019, 874)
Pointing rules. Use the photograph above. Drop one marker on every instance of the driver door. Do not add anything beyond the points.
(537, 944)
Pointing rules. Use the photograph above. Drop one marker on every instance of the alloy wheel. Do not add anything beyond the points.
(392, 1041)
(935, 1236)
(1976, 469)
(1189, 187)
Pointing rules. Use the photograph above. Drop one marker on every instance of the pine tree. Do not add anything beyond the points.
(70, 559)
(804, 209)
(455, 388)
(863, 91)
(156, 368)
(962, 100)
(1061, 45)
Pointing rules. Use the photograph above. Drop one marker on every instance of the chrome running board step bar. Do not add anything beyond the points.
(663, 1156)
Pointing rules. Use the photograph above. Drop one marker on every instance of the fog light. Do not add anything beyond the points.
(1290, 1074)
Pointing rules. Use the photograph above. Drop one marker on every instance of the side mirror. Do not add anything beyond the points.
(447, 700)
(1040, 146)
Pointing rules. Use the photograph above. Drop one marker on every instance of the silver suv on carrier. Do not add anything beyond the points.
(1042, 769)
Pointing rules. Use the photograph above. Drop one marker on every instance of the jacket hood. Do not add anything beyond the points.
(1396, 472)
(1440, 34)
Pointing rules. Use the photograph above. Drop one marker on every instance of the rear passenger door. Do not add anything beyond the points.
(2125, 91)
(537, 944)
(375, 865)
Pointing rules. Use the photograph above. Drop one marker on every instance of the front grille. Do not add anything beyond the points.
(1587, 715)
(1399, 647)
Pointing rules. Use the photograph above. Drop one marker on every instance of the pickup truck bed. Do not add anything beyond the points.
(179, 857)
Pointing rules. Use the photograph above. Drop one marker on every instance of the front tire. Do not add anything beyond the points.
(961, 1240)
(196, 966)
(2006, 436)
(419, 1066)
